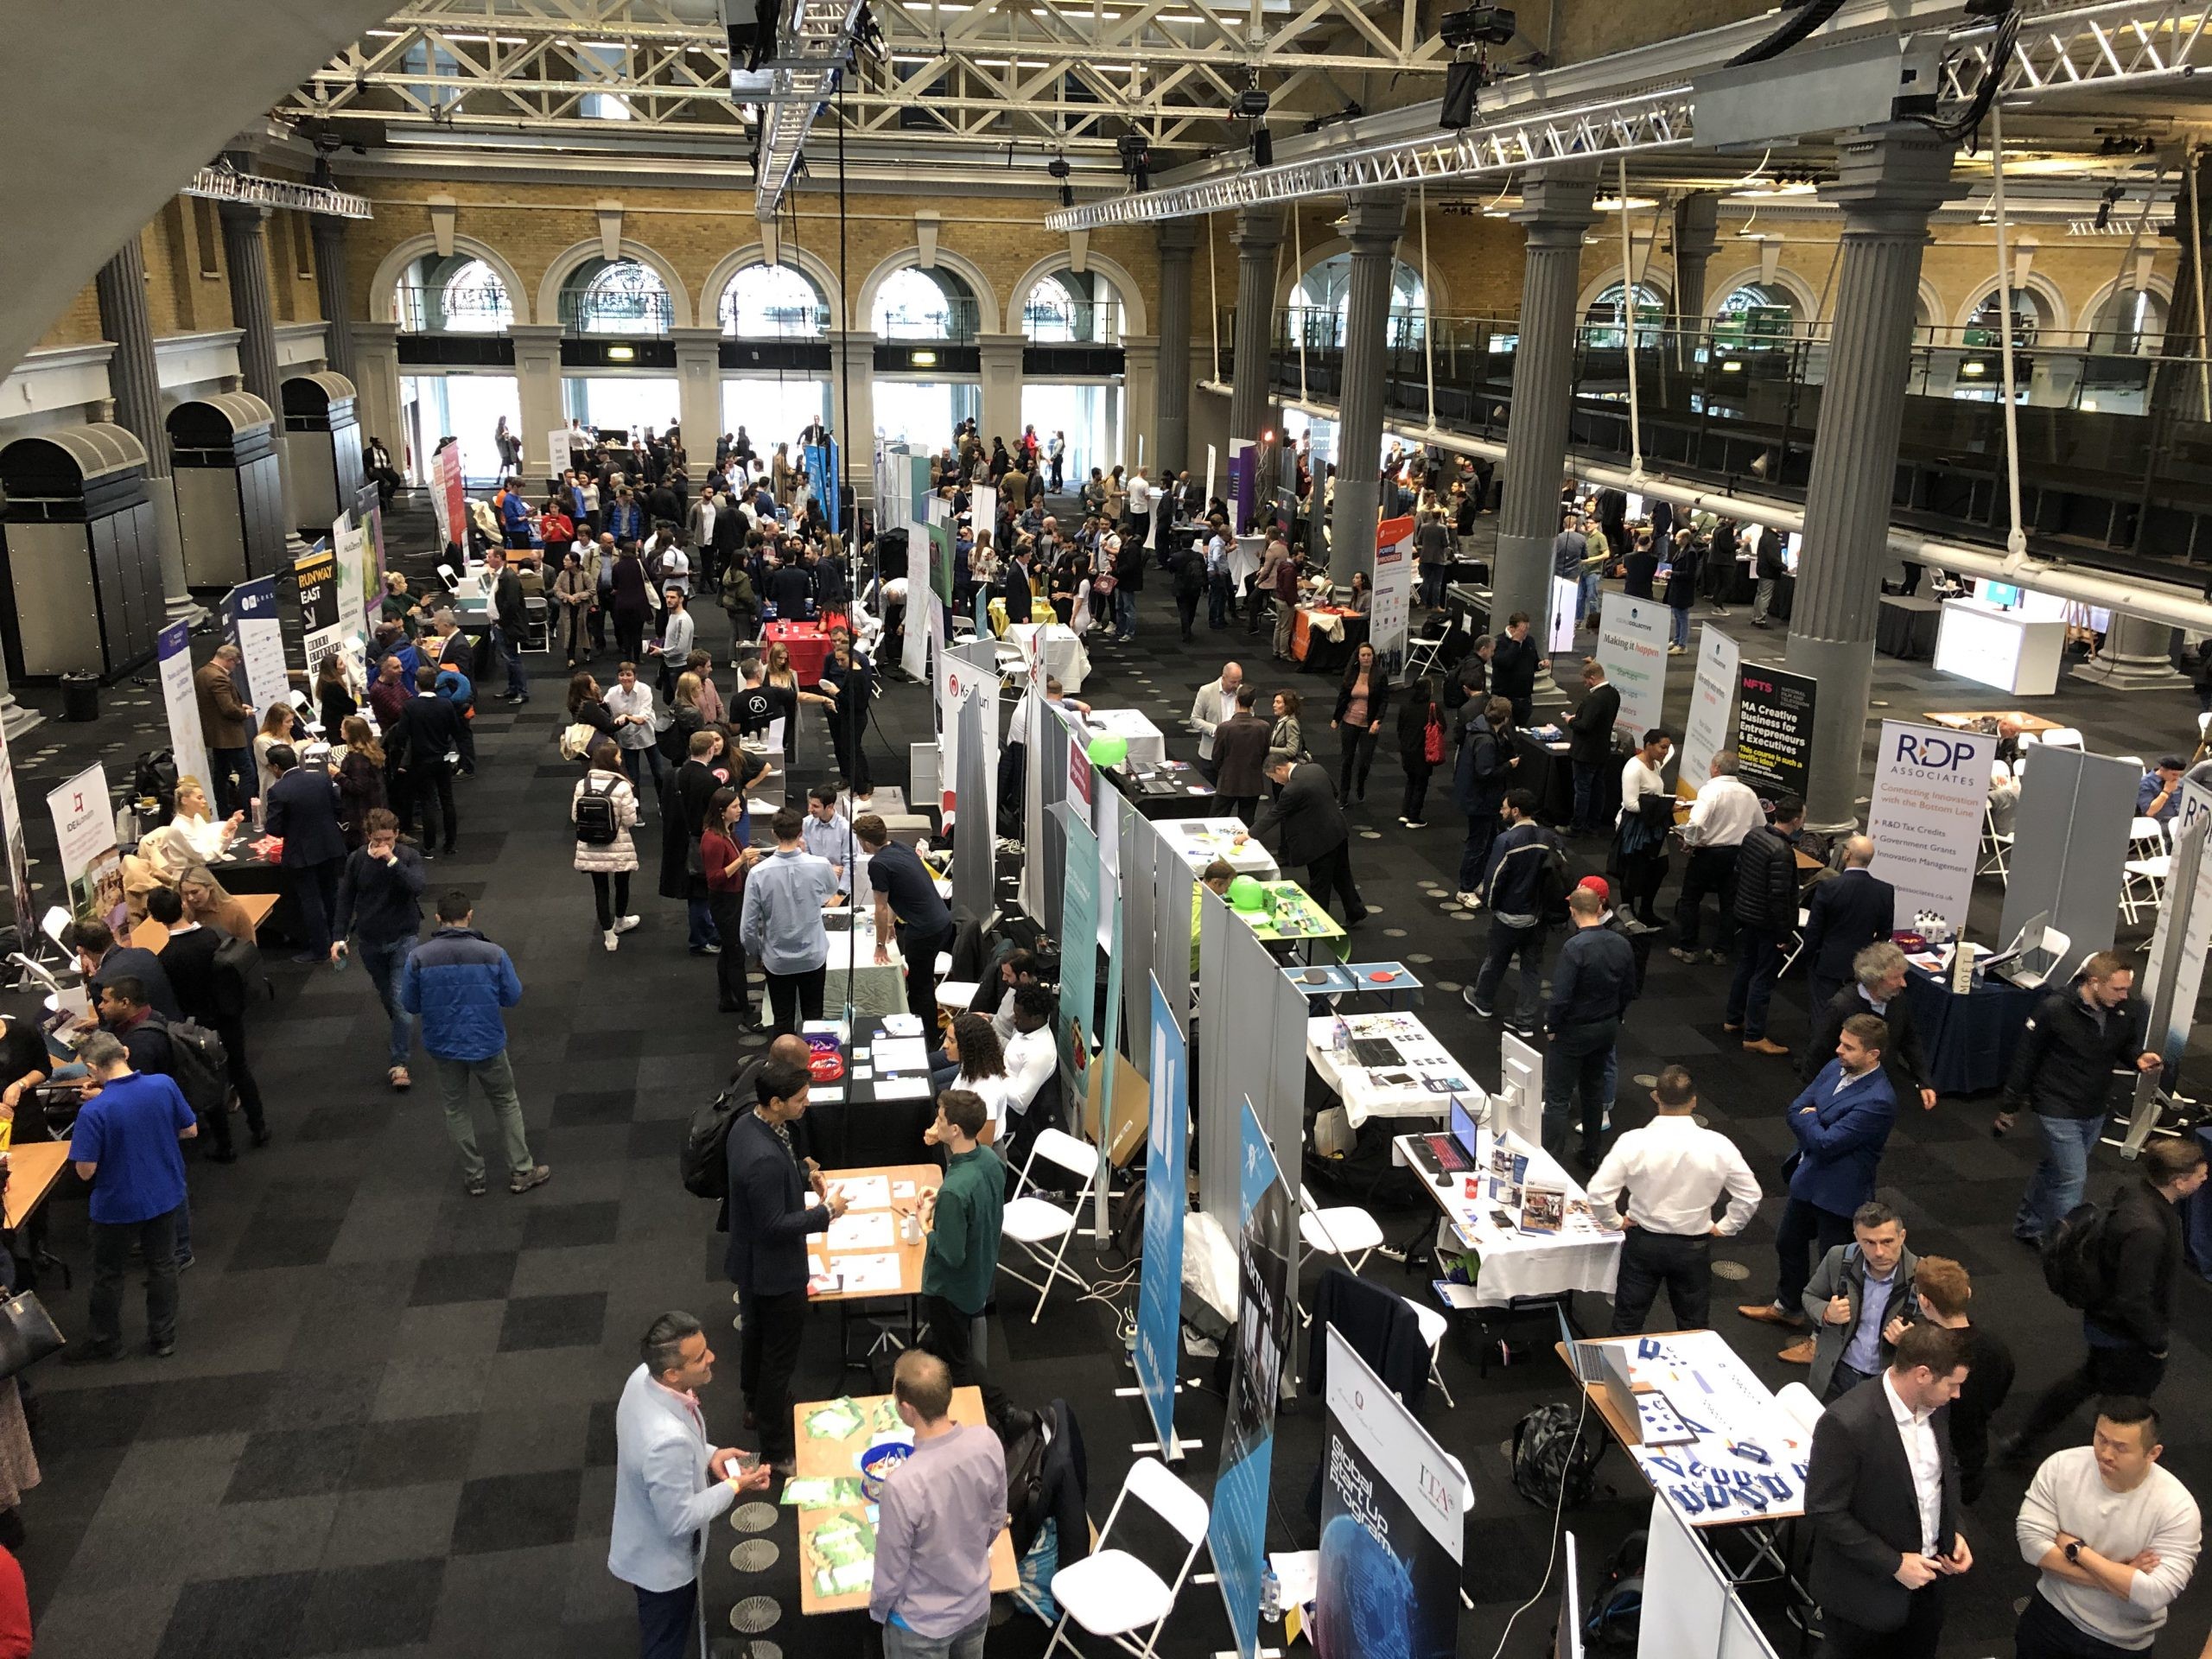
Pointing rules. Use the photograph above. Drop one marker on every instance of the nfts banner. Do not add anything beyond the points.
(1712, 701)
(1632, 635)
(1236, 1532)
(1393, 1525)
(1391, 603)
(253, 624)
(448, 498)
(92, 861)
(1931, 785)
(180, 700)
(1774, 732)
(1080, 963)
(1166, 1201)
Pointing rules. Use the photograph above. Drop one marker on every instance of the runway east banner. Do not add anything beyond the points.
(316, 573)
(91, 863)
(1632, 637)
(1166, 1201)
(1930, 786)
(187, 745)
(1391, 605)
(1236, 1532)
(1713, 700)
(1393, 1525)
(1774, 733)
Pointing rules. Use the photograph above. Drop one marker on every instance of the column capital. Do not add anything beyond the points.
(1374, 220)
(1695, 225)
(1179, 237)
(532, 333)
(1889, 180)
(1259, 230)
(691, 340)
(1556, 209)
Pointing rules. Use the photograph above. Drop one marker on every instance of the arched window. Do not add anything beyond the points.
(2129, 322)
(1755, 314)
(1321, 303)
(775, 301)
(1604, 326)
(918, 304)
(1071, 308)
(615, 296)
(455, 295)
(2030, 315)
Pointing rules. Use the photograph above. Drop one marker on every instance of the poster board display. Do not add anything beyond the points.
(1390, 607)
(1774, 731)
(252, 623)
(1930, 786)
(1632, 635)
(20, 894)
(1713, 702)
(2173, 969)
(316, 574)
(448, 499)
(1078, 966)
(1559, 627)
(180, 700)
(92, 861)
(1160, 1288)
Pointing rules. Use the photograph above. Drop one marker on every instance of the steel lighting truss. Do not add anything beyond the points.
(2125, 46)
(1064, 76)
(812, 41)
(222, 182)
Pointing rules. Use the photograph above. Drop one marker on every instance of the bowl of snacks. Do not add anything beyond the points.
(877, 1463)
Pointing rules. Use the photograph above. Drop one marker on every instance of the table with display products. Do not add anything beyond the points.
(1201, 840)
(1416, 1078)
(1528, 1222)
(1288, 915)
(1146, 745)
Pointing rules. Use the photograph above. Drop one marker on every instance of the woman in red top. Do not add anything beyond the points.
(555, 528)
(726, 848)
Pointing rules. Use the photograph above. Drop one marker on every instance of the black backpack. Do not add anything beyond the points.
(1552, 887)
(155, 780)
(705, 1145)
(2074, 1257)
(597, 824)
(200, 1066)
(1553, 1465)
(238, 970)
(1616, 1616)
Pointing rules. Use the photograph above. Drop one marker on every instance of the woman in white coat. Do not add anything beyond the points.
(604, 809)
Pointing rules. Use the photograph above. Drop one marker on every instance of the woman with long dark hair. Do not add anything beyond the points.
(1362, 700)
(360, 779)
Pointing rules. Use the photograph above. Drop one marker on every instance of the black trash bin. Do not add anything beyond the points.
(80, 697)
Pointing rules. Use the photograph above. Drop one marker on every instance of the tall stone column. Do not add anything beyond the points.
(1696, 239)
(375, 347)
(2138, 656)
(329, 234)
(1000, 359)
(1179, 238)
(1141, 397)
(135, 382)
(538, 389)
(246, 256)
(1373, 222)
(698, 395)
(1555, 212)
(1889, 181)
(1251, 404)
(852, 409)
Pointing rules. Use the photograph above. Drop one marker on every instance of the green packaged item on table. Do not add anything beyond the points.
(841, 1556)
(822, 1491)
(883, 1417)
(838, 1421)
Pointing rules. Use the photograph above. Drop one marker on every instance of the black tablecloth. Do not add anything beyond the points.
(1546, 773)
(1164, 791)
(1327, 655)
(861, 1132)
(1969, 1040)
(256, 875)
(1907, 627)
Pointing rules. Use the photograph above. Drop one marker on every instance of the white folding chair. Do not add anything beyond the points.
(450, 577)
(1434, 1324)
(1797, 941)
(1345, 1232)
(2061, 737)
(1996, 845)
(1033, 1223)
(2134, 761)
(2143, 876)
(953, 995)
(306, 710)
(1423, 649)
(1110, 1592)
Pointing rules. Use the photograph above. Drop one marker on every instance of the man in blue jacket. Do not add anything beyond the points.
(301, 812)
(1842, 1121)
(1527, 873)
(456, 983)
(1592, 984)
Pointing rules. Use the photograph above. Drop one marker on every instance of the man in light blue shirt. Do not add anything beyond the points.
(828, 835)
(781, 923)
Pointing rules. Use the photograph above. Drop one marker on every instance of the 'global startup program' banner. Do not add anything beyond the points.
(1166, 1186)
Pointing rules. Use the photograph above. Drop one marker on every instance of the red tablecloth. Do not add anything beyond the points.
(808, 643)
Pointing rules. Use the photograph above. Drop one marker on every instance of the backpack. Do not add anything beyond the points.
(199, 1066)
(1026, 1505)
(237, 968)
(1553, 1465)
(1552, 887)
(597, 824)
(1432, 738)
(2073, 1257)
(1615, 1615)
(156, 780)
(705, 1145)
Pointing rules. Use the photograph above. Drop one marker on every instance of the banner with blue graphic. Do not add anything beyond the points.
(1166, 1201)
(1237, 1533)
(251, 622)
(821, 463)
(1078, 967)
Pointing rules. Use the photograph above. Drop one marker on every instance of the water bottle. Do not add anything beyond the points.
(1270, 1595)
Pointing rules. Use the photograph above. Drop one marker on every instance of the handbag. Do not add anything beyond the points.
(28, 1333)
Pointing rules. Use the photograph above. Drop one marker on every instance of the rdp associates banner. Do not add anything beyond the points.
(1930, 787)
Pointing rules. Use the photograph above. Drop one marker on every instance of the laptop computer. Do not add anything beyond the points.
(2026, 963)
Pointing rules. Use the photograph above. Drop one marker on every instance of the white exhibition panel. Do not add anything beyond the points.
(1690, 1610)
(2001, 648)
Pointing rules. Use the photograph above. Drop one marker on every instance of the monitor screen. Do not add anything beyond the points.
(1998, 593)
(1463, 1128)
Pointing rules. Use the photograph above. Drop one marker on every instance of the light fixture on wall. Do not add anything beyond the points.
(621, 354)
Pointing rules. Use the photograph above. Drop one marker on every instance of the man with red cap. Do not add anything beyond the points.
(1640, 946)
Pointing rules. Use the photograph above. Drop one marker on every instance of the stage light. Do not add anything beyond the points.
(1478, 26)
(1250, 106)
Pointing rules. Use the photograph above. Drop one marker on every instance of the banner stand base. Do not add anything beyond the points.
(1173, 1454)
(1138, 1394)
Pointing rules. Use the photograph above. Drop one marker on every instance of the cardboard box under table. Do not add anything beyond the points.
(847, 1556)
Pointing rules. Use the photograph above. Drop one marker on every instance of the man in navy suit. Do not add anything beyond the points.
(1843, 916)
(1842, 1121)
(303, 812)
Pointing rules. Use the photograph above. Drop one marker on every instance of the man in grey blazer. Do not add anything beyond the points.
(670, 1482)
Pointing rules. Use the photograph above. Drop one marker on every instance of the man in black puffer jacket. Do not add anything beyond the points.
(1766, 911)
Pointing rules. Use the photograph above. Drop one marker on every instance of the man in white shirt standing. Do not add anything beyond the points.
(1726, 811)
(2116, 1537)
(1215, 703)
(1673, 1171)
(1139, 507)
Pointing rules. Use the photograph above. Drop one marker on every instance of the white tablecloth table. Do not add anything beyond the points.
(1581, 1255)
(1201, 840)
(1146, 746)
(1369, 1092)
(1065, 659)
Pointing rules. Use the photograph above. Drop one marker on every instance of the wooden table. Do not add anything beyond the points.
(823, 1258)
(1963, 721)
(150, 935)
(818, 1459)
(32, 1171)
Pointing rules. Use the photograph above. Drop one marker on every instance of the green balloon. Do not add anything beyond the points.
(1108, 749)
(1246, 893)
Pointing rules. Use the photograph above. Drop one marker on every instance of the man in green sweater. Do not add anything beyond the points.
(963, 1216)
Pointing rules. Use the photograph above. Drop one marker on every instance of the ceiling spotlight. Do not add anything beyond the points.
(1478, 26)
(1251, 104)
(1058, 167)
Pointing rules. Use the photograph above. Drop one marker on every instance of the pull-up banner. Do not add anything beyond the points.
(1774, 732)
